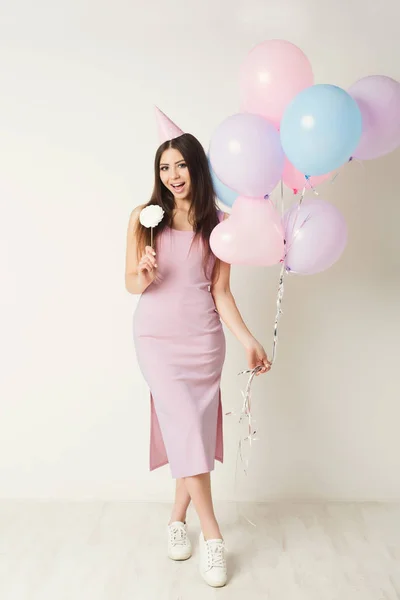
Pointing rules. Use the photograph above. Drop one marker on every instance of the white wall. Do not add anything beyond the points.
(79, 80)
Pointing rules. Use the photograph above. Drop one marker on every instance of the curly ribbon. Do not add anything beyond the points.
(245, 414)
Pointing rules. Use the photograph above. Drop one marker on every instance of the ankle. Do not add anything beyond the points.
(212, 534)
(178, 518)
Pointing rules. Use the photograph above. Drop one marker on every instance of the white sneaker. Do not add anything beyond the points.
(179, 546)
(212, 561)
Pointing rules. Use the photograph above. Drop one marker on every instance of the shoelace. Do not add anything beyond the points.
(215, 554)
(178, 536)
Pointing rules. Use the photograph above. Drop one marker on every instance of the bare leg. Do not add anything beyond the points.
(199, 488)
(182, 501)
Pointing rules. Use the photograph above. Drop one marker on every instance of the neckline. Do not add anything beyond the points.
(180, 230)
(188, 230)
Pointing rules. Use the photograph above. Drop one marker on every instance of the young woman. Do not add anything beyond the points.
(179, 339)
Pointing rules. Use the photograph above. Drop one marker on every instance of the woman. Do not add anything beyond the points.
(179, 339)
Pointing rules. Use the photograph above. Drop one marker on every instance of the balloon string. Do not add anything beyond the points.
(245, 413)
(334, 178)
(360, 162)
(351, 159)
(308, 179)
(296, 216)
(294, 236)
(282, 202)
(279, 311)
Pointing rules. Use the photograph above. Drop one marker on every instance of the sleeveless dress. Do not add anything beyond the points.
(180, 348)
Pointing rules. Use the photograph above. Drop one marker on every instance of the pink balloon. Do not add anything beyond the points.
(252, 235)
(378, 98)
(246, 155)
(271, 76)
(316, 235)
(295, 180)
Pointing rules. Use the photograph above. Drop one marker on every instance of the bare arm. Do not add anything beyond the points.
(226, 306)
(229, 313)
(137, 279)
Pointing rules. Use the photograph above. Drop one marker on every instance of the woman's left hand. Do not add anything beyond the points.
(256, 356)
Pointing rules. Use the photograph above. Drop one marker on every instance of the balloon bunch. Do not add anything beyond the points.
(293, 132)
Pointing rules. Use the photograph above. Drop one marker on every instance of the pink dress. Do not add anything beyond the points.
(180, 348)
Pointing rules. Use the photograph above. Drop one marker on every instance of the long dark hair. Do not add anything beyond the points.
(203, 207)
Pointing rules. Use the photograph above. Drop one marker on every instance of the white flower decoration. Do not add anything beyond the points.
(151, 216)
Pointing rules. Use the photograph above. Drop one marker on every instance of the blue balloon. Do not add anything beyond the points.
(320, 129)
(224, 193)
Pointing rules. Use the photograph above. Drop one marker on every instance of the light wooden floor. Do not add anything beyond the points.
(117, 551)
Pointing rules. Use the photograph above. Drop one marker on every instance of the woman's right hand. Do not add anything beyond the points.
(147, 267)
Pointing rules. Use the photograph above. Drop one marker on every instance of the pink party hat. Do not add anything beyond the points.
(167, 130)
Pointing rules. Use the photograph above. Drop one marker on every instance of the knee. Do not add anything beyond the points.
(198, 477)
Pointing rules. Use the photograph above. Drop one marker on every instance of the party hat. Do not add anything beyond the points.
(167, 130)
